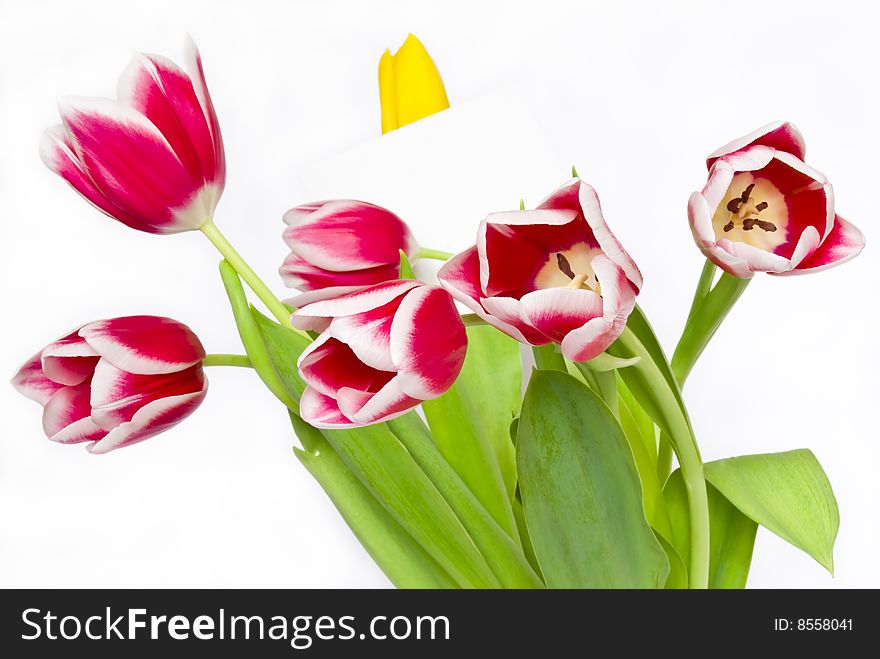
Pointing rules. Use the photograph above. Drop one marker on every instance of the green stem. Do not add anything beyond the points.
(704, 285)
(548, 358)
(675, 418)
(281, 312)
(219, 359)
(664, 458)
(435, 254)
(704, 322)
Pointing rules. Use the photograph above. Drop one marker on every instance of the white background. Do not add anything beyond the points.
(635, 94)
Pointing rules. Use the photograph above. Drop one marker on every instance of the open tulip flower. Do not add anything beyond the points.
(116, 382)
(382, 351)
(154, 158)
(343, 243)
(764, 210)
(552, 274)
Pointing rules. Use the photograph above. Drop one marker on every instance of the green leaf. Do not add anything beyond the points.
(471, 421)
(251, 337)
(501, 546)
(406, 271)
(731, 534)
(284, 346)
(678, 578)
(393, 549)
(580, 491)
(788, 493)
(388, 471)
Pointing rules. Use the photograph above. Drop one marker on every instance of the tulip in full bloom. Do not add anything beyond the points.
(343, 243)
(116, 382)
(410, 86)
(154, 158)
(764, 210)
(552, 274)
(382, 351)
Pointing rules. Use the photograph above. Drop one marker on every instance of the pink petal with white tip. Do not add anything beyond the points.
(619, 299)
(153, 418)
(506, 311)
(346, 235)
(322, 411)
(388, 403)
(368, 334)
(316, 314)
(200, 86)
(845, 242)
(145, 345)
(69, 360)
(428, 342)
(164, 94)
(31, 382)
(328, 365)
(117, 395)
(581, 197)
(779, 135)
(130, 161)
(557, 311)
(66, 417)
(296, 272)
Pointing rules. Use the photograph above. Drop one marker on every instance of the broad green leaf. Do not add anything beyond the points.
(580, 491)
(390, 473)
(508, 560)
(678, 578)
(731, 534)
(471, 421)
(643, 421)
(393, 549)
(788, 493)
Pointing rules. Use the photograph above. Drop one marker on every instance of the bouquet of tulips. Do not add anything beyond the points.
(407, 396)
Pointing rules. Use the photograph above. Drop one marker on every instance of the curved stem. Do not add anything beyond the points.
(704, 322)
(675, 419)
(436, 254)
(281, 312)
(223, 359)
(704, 285)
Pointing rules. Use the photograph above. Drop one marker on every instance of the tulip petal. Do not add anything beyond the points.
(779, 135)
(581, 197)
(346, 235)
(321, 411)
(428, 342)
(388, 403)
(117, 395)
(66, 417)
(506, 312)
(619, 299)
(557, 311)
(164, 94)
(843, 243)
(368, 334)
(58, 155)
(130, 161)
(69, 360)
(328, 365)
(31, 382)
(200, 86)
(296, 272)
(145, 345)
(153, 418)
(700, 218)
(316, 314)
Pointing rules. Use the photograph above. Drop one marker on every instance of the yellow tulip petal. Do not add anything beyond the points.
(387, 92)
(410, 86)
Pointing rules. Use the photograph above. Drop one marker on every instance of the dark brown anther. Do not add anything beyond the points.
(747, 192)
(749, 224)
(564, 265)
(766, 226)
(763, 205)
(733, 205)
(728, 226)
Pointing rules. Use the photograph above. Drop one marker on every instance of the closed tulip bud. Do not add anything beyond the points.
(153, 159)
(116, 382)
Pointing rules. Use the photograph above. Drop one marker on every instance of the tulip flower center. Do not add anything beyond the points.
(753, 211)
(570, 268)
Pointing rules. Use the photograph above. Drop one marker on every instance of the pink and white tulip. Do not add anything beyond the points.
(153, 159)
(345, 244)
(764, 210)
(116, 382)
(382, 351)
(554, 274)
